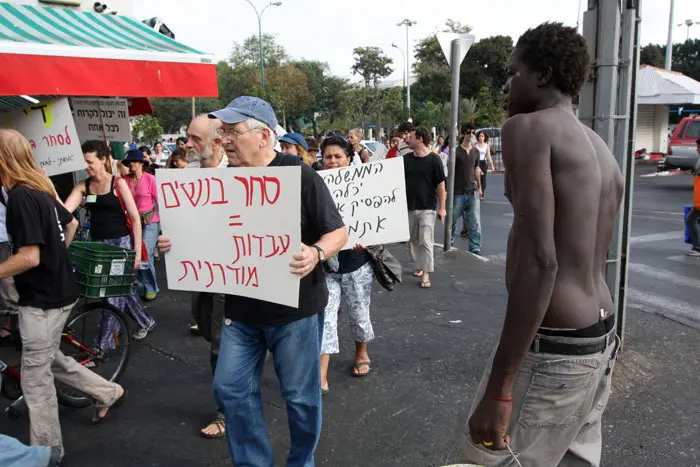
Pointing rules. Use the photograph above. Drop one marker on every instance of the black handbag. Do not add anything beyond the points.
(387, 269)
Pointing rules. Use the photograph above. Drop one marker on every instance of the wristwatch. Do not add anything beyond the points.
(321, 253)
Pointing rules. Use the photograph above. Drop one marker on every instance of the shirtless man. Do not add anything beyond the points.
(545, 389)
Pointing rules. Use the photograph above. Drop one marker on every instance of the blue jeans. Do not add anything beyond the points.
(147, 277)
(468, 206)
(15, 454)
(296, 350)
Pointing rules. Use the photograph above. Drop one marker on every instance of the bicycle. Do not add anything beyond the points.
(96, 335)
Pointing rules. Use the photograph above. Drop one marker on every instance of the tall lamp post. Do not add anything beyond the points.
(262, 62)
(405, 110)
(688, 23)
(408, 23)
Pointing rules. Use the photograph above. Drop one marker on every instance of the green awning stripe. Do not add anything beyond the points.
(32, 24)
(86, 35)
(26, 20)
(135, 39)
(19, 31)
(90, 31)
(112, 36)
(53, 22)
(157, 36)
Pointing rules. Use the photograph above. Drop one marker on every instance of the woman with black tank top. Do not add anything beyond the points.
(98, 194)
(350, 282)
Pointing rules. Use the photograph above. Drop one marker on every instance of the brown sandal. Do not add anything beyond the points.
(220, 425)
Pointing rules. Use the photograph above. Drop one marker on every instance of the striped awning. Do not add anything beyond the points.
(60, 51)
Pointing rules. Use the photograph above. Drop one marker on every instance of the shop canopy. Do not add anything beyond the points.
(59, 51)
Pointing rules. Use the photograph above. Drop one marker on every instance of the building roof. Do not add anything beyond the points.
(656, 86)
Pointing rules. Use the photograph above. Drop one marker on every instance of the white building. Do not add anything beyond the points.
(657, 90)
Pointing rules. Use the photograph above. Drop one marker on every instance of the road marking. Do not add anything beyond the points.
(483, 201)
(483, 259)
(684, 259)
(665, 306)
(664, 275)
(672, 235)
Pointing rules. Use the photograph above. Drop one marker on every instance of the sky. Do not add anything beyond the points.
(329, 30)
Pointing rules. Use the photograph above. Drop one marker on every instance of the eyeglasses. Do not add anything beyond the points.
(233, 134)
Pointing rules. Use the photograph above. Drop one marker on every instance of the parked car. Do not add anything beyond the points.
(682, 152)
(377, 150)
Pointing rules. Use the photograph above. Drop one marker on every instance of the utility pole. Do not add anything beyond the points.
(688, 23)
(405, 100)
(669, 42)
(408, 23)
(259, 15)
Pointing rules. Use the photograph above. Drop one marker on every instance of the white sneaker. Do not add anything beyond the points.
(694, 253)
(143, 332)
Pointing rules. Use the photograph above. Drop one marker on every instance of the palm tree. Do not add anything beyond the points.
(468, 111)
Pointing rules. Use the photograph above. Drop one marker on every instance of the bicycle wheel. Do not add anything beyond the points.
(96, 336)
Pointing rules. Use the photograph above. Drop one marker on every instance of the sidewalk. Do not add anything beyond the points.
(428, 356)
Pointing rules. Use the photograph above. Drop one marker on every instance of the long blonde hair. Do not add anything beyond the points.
(17, 164)
(305, 156)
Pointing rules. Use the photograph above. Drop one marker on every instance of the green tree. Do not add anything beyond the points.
(651, 55)
(146, 129)
(325, 90)
(247, 54)
(172, 113)
(372, 65)
(430, 114)
(356, 104)
(485, 66)
(490, 112)
(290, 88)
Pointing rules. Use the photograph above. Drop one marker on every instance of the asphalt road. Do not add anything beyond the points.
(662, 279)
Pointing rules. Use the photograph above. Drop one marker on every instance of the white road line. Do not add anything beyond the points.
(664, 305)
(499, 258)
(672, 235)
(684, 259)
(664, 275)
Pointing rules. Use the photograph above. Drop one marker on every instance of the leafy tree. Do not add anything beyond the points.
(651, 55)
(490, 112)
(485, 66)
(357, 103)
(290, 88)
(372, 65)
(325, 90)
(430, 114)
(172, 113)
(247, 54)
(146, 128)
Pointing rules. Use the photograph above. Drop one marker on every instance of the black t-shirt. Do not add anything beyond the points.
(34, 218)
(423, 175)
(465, 181)
(352, 260)
(319, 216)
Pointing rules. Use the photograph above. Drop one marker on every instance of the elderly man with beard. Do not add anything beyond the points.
(252, 326)
(204, 151)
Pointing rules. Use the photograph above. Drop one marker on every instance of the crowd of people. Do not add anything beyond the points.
(544, 390)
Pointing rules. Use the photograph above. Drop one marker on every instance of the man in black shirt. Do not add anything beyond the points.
(468, 192)
(252, 326)
(425, 188)
(40, 229)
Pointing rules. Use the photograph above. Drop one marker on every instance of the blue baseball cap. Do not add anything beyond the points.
(295, 138)
(244, 107)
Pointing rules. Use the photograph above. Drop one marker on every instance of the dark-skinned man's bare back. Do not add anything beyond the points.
(587, 189)
(545, 388)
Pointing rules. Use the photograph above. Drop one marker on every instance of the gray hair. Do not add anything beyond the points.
(254, 124)
(213, 126)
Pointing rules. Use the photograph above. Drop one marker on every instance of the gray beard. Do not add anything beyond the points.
(193, 155)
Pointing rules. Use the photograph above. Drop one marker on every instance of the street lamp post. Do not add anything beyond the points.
(404, 78)
(408, 23)
(688, 23)
(262, 61)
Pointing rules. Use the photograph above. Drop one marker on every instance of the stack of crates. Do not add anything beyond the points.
(102, 270)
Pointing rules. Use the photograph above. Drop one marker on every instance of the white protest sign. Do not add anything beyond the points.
(233, 230)
(51, 132)
(101, 118)
(372, 200)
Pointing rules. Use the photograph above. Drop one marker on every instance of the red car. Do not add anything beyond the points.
(682, 152)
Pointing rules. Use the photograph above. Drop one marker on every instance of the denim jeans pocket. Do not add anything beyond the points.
(558, 392)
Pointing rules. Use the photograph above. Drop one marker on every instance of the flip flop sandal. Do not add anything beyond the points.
(325, 391)
(418, 273)
(425, 285)
(220, 426)
(97, 419)
(359, 365)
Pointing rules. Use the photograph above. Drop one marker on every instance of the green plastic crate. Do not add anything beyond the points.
(102, 270)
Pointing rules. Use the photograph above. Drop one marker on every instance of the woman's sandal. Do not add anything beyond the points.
(425, 284)
(359, 365)
(220, 425)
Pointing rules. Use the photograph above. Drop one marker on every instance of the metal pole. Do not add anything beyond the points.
(408, 71)
(669, 43)
(456, 61)
(194, 110)
(262, 60)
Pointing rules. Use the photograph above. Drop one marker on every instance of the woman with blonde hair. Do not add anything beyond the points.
(295, 144)
(41, 230)
(360, 155)
(108, 202)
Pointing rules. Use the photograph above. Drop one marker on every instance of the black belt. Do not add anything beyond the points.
(542, 345)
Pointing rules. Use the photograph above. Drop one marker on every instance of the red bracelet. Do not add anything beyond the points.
(499, 399)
